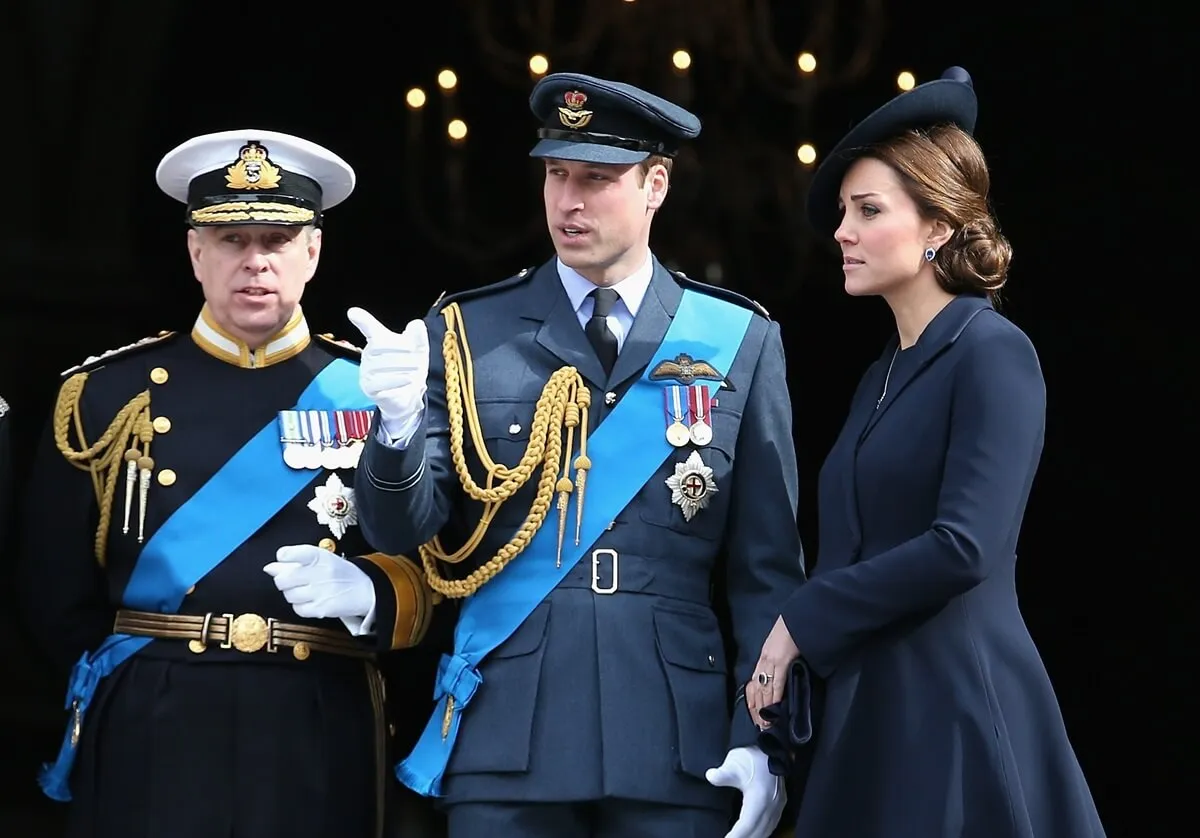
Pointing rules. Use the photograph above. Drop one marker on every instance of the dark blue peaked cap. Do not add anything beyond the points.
(948, 100)
(598, 121)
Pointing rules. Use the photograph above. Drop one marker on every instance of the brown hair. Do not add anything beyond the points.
(650, 162)
(943, 170)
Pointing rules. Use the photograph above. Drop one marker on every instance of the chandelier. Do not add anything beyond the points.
(752, 70)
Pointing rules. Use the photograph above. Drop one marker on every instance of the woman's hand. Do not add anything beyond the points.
(776, 658)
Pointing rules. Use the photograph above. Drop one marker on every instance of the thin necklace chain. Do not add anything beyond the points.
(887, 378)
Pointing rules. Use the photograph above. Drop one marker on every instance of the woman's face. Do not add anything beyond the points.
(882, 235)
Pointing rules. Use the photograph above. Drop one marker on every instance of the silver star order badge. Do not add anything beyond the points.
(334, 505)
(692, 485)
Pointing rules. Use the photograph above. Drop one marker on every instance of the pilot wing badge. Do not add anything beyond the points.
(686, 370)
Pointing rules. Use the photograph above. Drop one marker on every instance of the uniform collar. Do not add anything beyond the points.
(632, 289)
(214, 340)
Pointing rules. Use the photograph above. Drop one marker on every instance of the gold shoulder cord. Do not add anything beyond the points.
(563, 403)
(127, 439)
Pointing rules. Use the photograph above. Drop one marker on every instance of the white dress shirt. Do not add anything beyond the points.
(632, 290)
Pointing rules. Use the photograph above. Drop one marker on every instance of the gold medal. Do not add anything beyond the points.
(678, 435)
(698, 404)
(677, 431)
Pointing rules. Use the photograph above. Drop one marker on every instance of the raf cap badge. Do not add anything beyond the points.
(573, 115)
(253, 170)
(334, 505)
(692, 485)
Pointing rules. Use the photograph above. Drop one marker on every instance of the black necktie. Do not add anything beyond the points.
(601, 337)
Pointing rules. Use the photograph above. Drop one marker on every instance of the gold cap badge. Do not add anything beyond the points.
(573, 115)
(253, 170)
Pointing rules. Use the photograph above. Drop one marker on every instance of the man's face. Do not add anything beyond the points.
(599, 215)
(253, 276)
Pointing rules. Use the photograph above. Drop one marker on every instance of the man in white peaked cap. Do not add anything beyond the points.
(208, 588)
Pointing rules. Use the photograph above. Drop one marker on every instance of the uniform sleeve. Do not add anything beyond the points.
(405, 495)
(61, 584)
(764, 557)
(995, 442)
(403, 600)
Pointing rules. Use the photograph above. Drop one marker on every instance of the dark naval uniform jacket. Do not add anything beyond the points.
(939, 718)
(618, 685)
(278, 734)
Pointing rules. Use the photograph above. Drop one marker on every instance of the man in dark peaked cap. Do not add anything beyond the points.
(591, 449)
(193, 557)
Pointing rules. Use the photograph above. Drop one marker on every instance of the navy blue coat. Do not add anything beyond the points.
(625, 695)
(939, 719)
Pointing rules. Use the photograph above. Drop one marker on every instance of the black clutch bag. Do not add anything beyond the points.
(791, 721)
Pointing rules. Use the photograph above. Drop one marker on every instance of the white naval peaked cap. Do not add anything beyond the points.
(254, 176)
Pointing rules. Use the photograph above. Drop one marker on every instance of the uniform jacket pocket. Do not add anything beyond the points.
(693, 656)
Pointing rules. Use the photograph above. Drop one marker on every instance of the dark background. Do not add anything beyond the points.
(1082, 115)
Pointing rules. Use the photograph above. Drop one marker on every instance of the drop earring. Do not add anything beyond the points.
(929, 254)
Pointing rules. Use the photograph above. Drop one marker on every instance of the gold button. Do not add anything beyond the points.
(327, 544)
(301, 651)
(161, 424)
(196, 646)
(166, 477)
(159, 375)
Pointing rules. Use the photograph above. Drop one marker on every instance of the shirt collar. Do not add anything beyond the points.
(632, 289)
(214, 340)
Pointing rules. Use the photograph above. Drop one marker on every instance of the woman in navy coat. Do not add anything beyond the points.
(939, 719)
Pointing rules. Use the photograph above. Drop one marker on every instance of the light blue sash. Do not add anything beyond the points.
(627, 448)
(244, 494)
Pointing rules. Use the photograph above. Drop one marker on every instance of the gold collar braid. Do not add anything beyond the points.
(563, 403)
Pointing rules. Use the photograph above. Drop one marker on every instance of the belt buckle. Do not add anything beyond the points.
(247, 633)
(596, 554)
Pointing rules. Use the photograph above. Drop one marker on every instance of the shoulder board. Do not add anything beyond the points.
(339, 347)
(96, 361)
(719, 292)
(474, 293)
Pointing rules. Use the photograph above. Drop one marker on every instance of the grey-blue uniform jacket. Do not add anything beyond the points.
(624, 695)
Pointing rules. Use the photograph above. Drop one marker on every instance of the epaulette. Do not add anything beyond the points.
(473, 293)
(96, 361)
(722, 293)
(339, 346)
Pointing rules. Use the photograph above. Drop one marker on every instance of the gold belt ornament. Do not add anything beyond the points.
(246, 633)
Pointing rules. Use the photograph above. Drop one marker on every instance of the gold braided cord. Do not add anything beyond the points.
(103, 459)
(563, 404)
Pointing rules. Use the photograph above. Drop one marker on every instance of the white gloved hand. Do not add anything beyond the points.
(763, 794)
(320, 585)
(392, 372)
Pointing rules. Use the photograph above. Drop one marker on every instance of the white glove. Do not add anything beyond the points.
(763, 794)
(392, 372)
(319, 585)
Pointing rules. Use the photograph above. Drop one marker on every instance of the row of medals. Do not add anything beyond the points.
(692, 402)
(329, 439)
